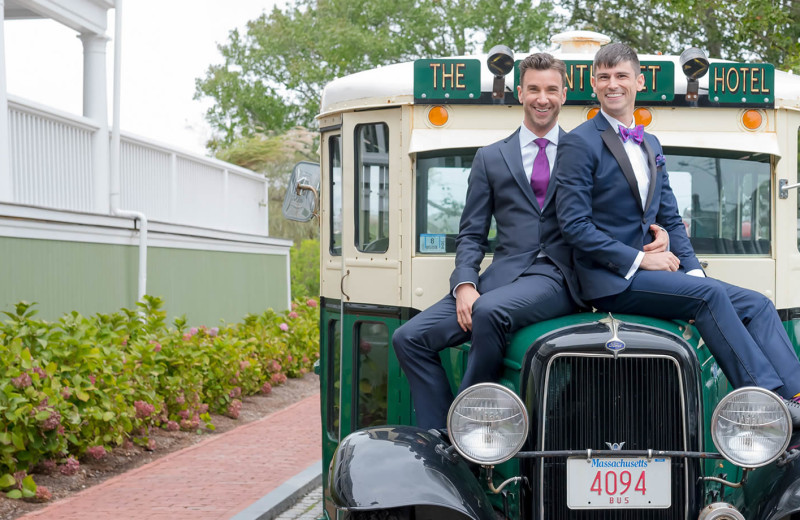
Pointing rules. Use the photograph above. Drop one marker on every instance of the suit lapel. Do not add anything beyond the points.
(510, 151)
(614, 144)
(651, 163)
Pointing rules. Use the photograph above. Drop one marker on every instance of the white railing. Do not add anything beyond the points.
(51, 166)
(51, 157)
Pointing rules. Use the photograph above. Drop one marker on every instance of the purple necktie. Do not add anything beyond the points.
(540, 176)
(636, 133)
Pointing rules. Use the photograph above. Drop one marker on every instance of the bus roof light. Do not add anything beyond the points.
(752, 119)
(438, 116)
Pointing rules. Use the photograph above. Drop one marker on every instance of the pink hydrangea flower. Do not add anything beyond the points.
(96, 452)
(311, 302)
(235, 392)
(92, 378)
(66, 393)
(294, 305)
(234, 408)
(244, 364)
(293, 315)
(143, 409)
(187, 337)
(289, 359)
(52, 422)
(284, 327)
(184, 414)
(213, 331)
(203, 408)
(275, 366)
(70, 467)
(278, 379)
(43, 494)
(22, 381)
(173, 426)
(40, 371)
(266, 388)
(193, 331)
(151, 445)
(180, 399)
(157, 347)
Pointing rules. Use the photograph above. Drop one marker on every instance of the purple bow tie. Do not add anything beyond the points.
(636, 133)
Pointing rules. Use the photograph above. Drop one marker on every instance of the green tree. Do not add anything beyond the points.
(274, 72)
(761, 30)
(305, 269)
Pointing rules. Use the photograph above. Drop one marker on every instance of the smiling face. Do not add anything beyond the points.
(616, 87)
(541, 93)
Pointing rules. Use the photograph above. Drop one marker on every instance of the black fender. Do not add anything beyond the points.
(387, 467)
(784, 496)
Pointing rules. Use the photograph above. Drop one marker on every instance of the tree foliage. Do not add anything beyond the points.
(759, 30)
(274, 72)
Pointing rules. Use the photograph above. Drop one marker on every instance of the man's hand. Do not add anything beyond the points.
(466, 294)
(660, 240)
(664, 261)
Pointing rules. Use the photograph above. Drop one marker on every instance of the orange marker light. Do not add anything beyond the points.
(438, 115)
(752, 119)
(592, 112)
(642, 116)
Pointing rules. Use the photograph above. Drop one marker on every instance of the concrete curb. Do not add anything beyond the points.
(284, 496)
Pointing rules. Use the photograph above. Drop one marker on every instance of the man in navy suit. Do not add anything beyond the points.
(530, 278)
(612, 185)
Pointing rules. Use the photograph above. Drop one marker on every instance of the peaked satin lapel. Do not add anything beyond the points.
(551, 187)
(651, 162)
(513, 157)
(614, 144)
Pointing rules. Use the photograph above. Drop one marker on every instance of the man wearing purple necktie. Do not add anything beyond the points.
(612, 186)
(530, 278)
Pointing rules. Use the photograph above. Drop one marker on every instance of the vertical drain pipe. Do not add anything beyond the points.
(114, 181)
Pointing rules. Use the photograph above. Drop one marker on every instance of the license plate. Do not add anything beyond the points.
(618, 483)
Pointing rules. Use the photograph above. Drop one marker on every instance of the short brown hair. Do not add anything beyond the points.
(615, 53)
(543, 61)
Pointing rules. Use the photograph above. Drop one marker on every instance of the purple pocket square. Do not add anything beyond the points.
(660, 161)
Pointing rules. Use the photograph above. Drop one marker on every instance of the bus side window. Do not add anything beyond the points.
(724, 200)
(372, 340)
(333, 387)
(335, 172)
(372, 188)
(798, 191)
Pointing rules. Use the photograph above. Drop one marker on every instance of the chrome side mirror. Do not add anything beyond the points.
(302, 194)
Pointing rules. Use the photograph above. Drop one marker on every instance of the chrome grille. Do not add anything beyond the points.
(594, 400)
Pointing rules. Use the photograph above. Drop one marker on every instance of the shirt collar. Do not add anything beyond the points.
(526, 137)
(615, 123)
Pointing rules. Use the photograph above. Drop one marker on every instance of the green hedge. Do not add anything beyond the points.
(82, 386)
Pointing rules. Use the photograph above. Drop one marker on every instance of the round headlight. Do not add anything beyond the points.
(487, 423)
(751, 427)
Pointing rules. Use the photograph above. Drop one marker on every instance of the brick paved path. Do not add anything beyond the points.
(213, 479)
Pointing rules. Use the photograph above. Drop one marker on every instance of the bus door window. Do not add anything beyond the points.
(724, 199)
(372, 369)
(441, 184)
(372, 188)
(335, 168)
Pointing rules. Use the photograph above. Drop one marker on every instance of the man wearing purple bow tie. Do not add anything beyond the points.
(612, 186)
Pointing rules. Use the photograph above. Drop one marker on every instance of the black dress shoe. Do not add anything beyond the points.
(794, 411)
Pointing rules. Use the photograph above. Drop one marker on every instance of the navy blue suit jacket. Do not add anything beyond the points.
(499, 187)
(600, 210)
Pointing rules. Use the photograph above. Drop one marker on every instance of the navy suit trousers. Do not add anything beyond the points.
(529, 299)
(741, 327)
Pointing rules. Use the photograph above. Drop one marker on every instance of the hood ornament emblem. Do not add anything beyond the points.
(614, 345)
(616, 446)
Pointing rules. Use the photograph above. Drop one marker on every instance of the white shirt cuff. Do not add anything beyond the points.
(459, 285)
(635, 266)
(696, 272)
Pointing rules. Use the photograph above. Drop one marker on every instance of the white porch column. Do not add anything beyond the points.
(95, 107)
(6, 186)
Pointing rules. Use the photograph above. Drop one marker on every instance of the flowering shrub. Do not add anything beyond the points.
(81, 386)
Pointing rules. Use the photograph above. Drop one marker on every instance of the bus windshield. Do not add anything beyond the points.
(723, 196)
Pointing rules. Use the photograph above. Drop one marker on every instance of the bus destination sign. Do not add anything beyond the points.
(741, 83)
(447, 79)
(658, 81)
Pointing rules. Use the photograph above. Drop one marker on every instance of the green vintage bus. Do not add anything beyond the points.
(572, 429)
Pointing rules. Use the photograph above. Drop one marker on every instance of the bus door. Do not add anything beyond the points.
(372, 388)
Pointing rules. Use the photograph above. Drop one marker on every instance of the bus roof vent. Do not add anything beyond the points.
(580, 42)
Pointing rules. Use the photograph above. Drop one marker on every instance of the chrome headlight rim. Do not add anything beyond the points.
(516, 400)
(715, 417)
